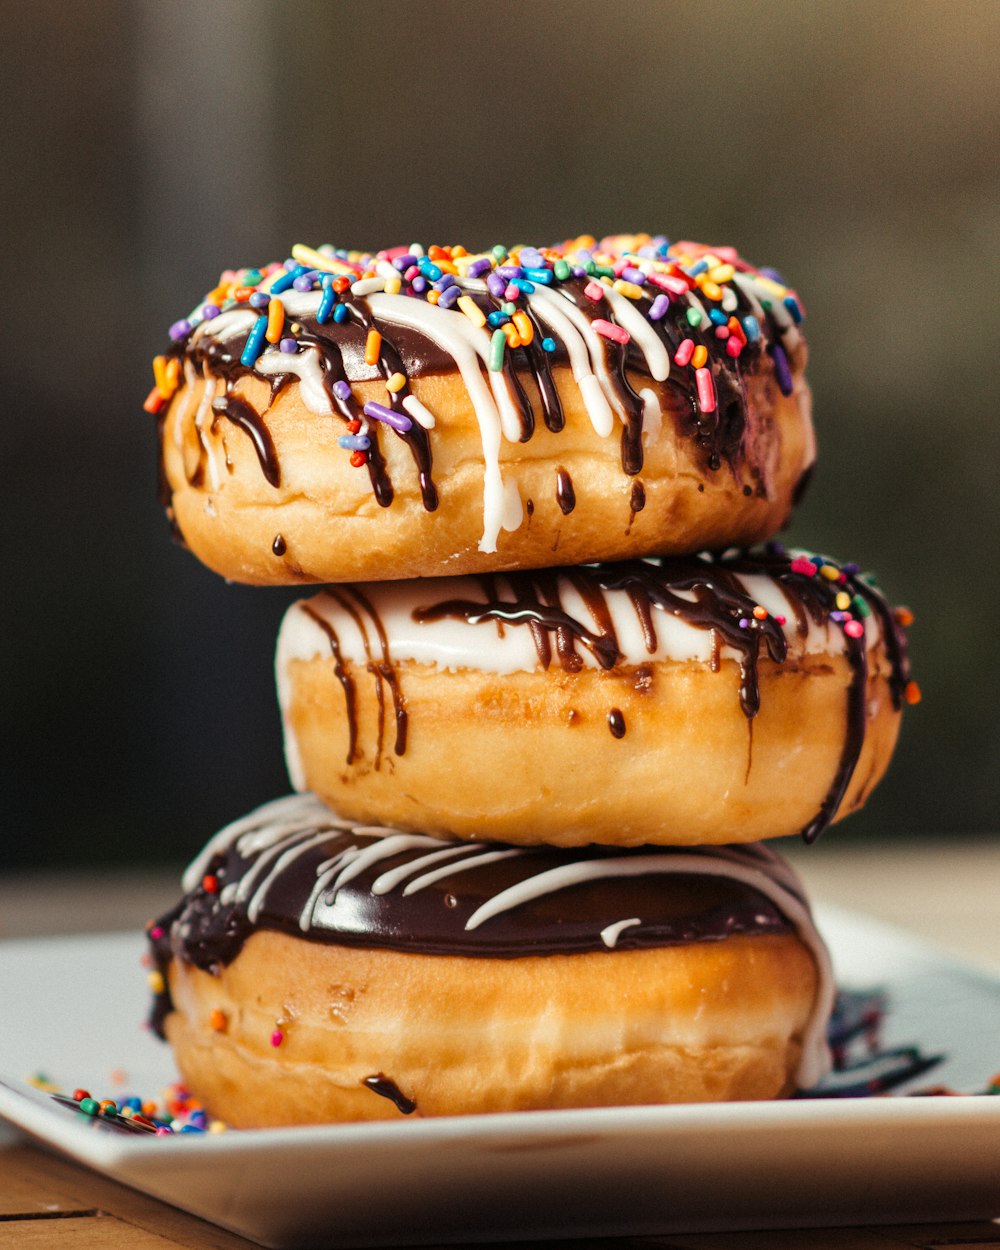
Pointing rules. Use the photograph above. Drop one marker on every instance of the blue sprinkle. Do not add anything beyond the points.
(255, 343)
(342, 390)
(548, 345)
(717, 317)
(751, 327)
(544, 276)
(341, 313)
(497, 319)
(192, 1128)
(259, 299)
(354, 442)
(792, 304)
(523, 285)
(429, 269)
(326, 303)
(285, 280)
(781, 369)
(695, 270)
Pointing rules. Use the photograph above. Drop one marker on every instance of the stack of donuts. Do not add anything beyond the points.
(559, 685)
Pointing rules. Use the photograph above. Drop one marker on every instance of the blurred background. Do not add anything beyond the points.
(148, 145)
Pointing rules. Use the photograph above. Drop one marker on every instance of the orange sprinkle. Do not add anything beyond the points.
(341, 284)
(760, 613)
(154, 401)
(904, 617)
(511, 334)
(160, 374)
(373, 345)
(275, 320)
(243, 293)
(218, 1020)
(699, 356)
(173, 373)
(433, 297)
(524, 327)
(458, 250)
(912, 693)
(710, 290)
(438, 253)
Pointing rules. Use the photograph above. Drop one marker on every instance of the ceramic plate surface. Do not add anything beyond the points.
(73, 1007)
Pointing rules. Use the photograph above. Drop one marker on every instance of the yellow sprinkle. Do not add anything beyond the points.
(774, 287)
(472, 310)
(525, 329)
(275, 320)
(699, 356)
(828, 571)
(217, 1126)
(511, 334)
(393, 286)
(627, 288)
(316, 260)
(446, 266)
(373, 345)
(433, 297)
(457, 251)
(173, 373)
(710, 290)
(843, 601)
(721, 273)
(396, 382)
(155, 982)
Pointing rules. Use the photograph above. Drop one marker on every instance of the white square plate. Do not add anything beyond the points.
(72, 1007)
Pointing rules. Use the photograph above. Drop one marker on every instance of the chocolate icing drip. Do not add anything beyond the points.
(565, 494)
(386, 1087)
(345, 679)
(247, 419)
(616, 723)
(387, 673)
(315, 877)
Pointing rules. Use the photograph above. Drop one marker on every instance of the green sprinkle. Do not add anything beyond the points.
(497, 345)
(252, 277)
(499, 251)
(604, 271)
(589, 267)
(693, 317)
(860, 606)
(562, 270)
(508, 309)
(766, 304)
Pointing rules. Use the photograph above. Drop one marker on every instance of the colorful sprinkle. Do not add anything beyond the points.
(608, 330)
(255, 343)
(373, 346)
(378, 412)
(684, 352)
(498, 345)
(706, 390)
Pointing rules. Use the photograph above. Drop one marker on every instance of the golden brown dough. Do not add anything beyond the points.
(701, 1023)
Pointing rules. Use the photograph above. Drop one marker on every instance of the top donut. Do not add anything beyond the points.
(425, 412)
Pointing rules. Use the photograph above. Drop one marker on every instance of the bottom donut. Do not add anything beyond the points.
(318, 971)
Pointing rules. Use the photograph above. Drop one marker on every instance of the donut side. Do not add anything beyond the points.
(443, 1035)
(678, 702)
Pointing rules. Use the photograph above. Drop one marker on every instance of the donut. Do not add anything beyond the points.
(316, 971)
(349, 417)
(707, 699)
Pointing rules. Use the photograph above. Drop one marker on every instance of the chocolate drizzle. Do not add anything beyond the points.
(386, 1087)
(525, 374)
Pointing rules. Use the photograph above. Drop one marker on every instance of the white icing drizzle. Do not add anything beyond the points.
(641, 329)
(652, 415)
(554, 312)
(395, 876)
(611, 934)
(487, 857)
(307, 367)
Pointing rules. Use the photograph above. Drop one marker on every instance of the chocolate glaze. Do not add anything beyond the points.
(565, 494)
(252, 890)
(616, 723)
(719, 436)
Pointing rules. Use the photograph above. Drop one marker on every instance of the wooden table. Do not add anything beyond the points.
(945, 891)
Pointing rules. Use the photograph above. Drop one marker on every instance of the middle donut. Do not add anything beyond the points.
(705, 699)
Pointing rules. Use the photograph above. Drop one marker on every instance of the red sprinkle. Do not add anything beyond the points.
(80, 1094)
(277, 1037)
(358, 458)
(854, 629)
(684, 351)
(210, 883)
(154, 401)
(801, 565)
(912, 693)
(354, 426)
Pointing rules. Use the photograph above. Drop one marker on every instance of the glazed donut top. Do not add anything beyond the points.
(738, 606)
(295, 867)
(699, 319)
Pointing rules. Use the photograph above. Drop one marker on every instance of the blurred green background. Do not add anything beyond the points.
(148, 145)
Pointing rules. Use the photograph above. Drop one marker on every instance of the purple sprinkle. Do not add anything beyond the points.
(839, 616)
(744, 622)
(210, 311)
(579, 271)
(631, 274)
(404, 262)
(288, 346)
(449, 296)
(658, 307)
(648, 252)
(479, 267)
(531, 258)
(259, 299)
(773, 275)
(342, 391)
(781, 369)
(851, 569)
(291, 264)
(303, 283)
(510, 271)
(444, 282)
(379, 412)
(180, 329)
(584, 255)
(419, 284)
(496, 285)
